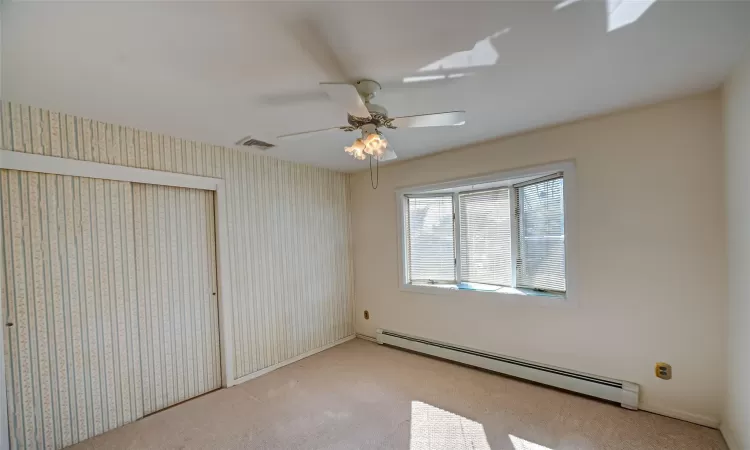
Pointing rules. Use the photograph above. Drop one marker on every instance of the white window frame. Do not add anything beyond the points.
(567, 168)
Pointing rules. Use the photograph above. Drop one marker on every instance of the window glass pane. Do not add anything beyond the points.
(541, 240)
(429, 237)
(485, 237)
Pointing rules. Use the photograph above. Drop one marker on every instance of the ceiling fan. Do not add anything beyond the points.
(369, 119)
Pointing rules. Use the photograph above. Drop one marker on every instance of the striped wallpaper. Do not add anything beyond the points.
(290, 259)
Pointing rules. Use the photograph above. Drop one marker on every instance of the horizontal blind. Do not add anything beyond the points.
(429, 235)
(485, 237)
(541, 235)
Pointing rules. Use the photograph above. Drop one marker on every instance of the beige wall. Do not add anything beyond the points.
(737, 126)
(650, 260)
(290, 260)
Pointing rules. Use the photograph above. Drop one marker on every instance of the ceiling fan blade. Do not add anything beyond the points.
(347, 96)
(445, 119)
(312, 40)
(304, 134)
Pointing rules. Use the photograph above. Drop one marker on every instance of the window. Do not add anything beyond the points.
(502, 233)
(541, 235)
(429, 231)
(485, 237)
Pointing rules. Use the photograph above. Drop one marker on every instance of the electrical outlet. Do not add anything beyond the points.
(367, 315)
(663, 371)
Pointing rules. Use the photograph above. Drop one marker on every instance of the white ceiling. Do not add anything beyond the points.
(216, 72)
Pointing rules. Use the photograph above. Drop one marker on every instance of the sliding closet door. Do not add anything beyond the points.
(73, 368)
(109, 303)
(178, 314)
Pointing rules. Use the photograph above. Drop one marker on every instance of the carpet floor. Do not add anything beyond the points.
(360, 395)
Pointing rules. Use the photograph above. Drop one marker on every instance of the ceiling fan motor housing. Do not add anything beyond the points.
(367, 89)
(368, 129)
(377, 118)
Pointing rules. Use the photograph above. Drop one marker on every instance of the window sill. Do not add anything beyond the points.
(485, 291)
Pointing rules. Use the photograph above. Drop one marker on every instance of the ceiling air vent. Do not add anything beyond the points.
(255, 143)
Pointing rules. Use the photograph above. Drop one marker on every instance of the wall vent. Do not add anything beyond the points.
(255, 143)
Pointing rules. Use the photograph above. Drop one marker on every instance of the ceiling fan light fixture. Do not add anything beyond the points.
(367, 118)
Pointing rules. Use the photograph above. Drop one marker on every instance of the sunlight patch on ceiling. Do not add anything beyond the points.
(565, 3)
(483, 54)
(523, 444)
(450, 76)
(419, 78)
(621, 13)
(433, 428)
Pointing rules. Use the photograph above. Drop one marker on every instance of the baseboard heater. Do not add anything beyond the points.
(623, 392)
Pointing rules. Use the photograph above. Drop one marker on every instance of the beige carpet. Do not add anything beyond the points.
(362, 395)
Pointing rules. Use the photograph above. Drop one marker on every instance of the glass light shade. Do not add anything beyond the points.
(357, 149)
(375, 144)
(387, 155)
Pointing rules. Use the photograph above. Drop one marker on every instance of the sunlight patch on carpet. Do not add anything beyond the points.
(523, 444)
(436, 429)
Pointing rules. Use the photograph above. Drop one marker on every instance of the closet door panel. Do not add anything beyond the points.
(174, 233)
(69, 287)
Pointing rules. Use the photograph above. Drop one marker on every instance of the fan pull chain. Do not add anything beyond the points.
(376, 182)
